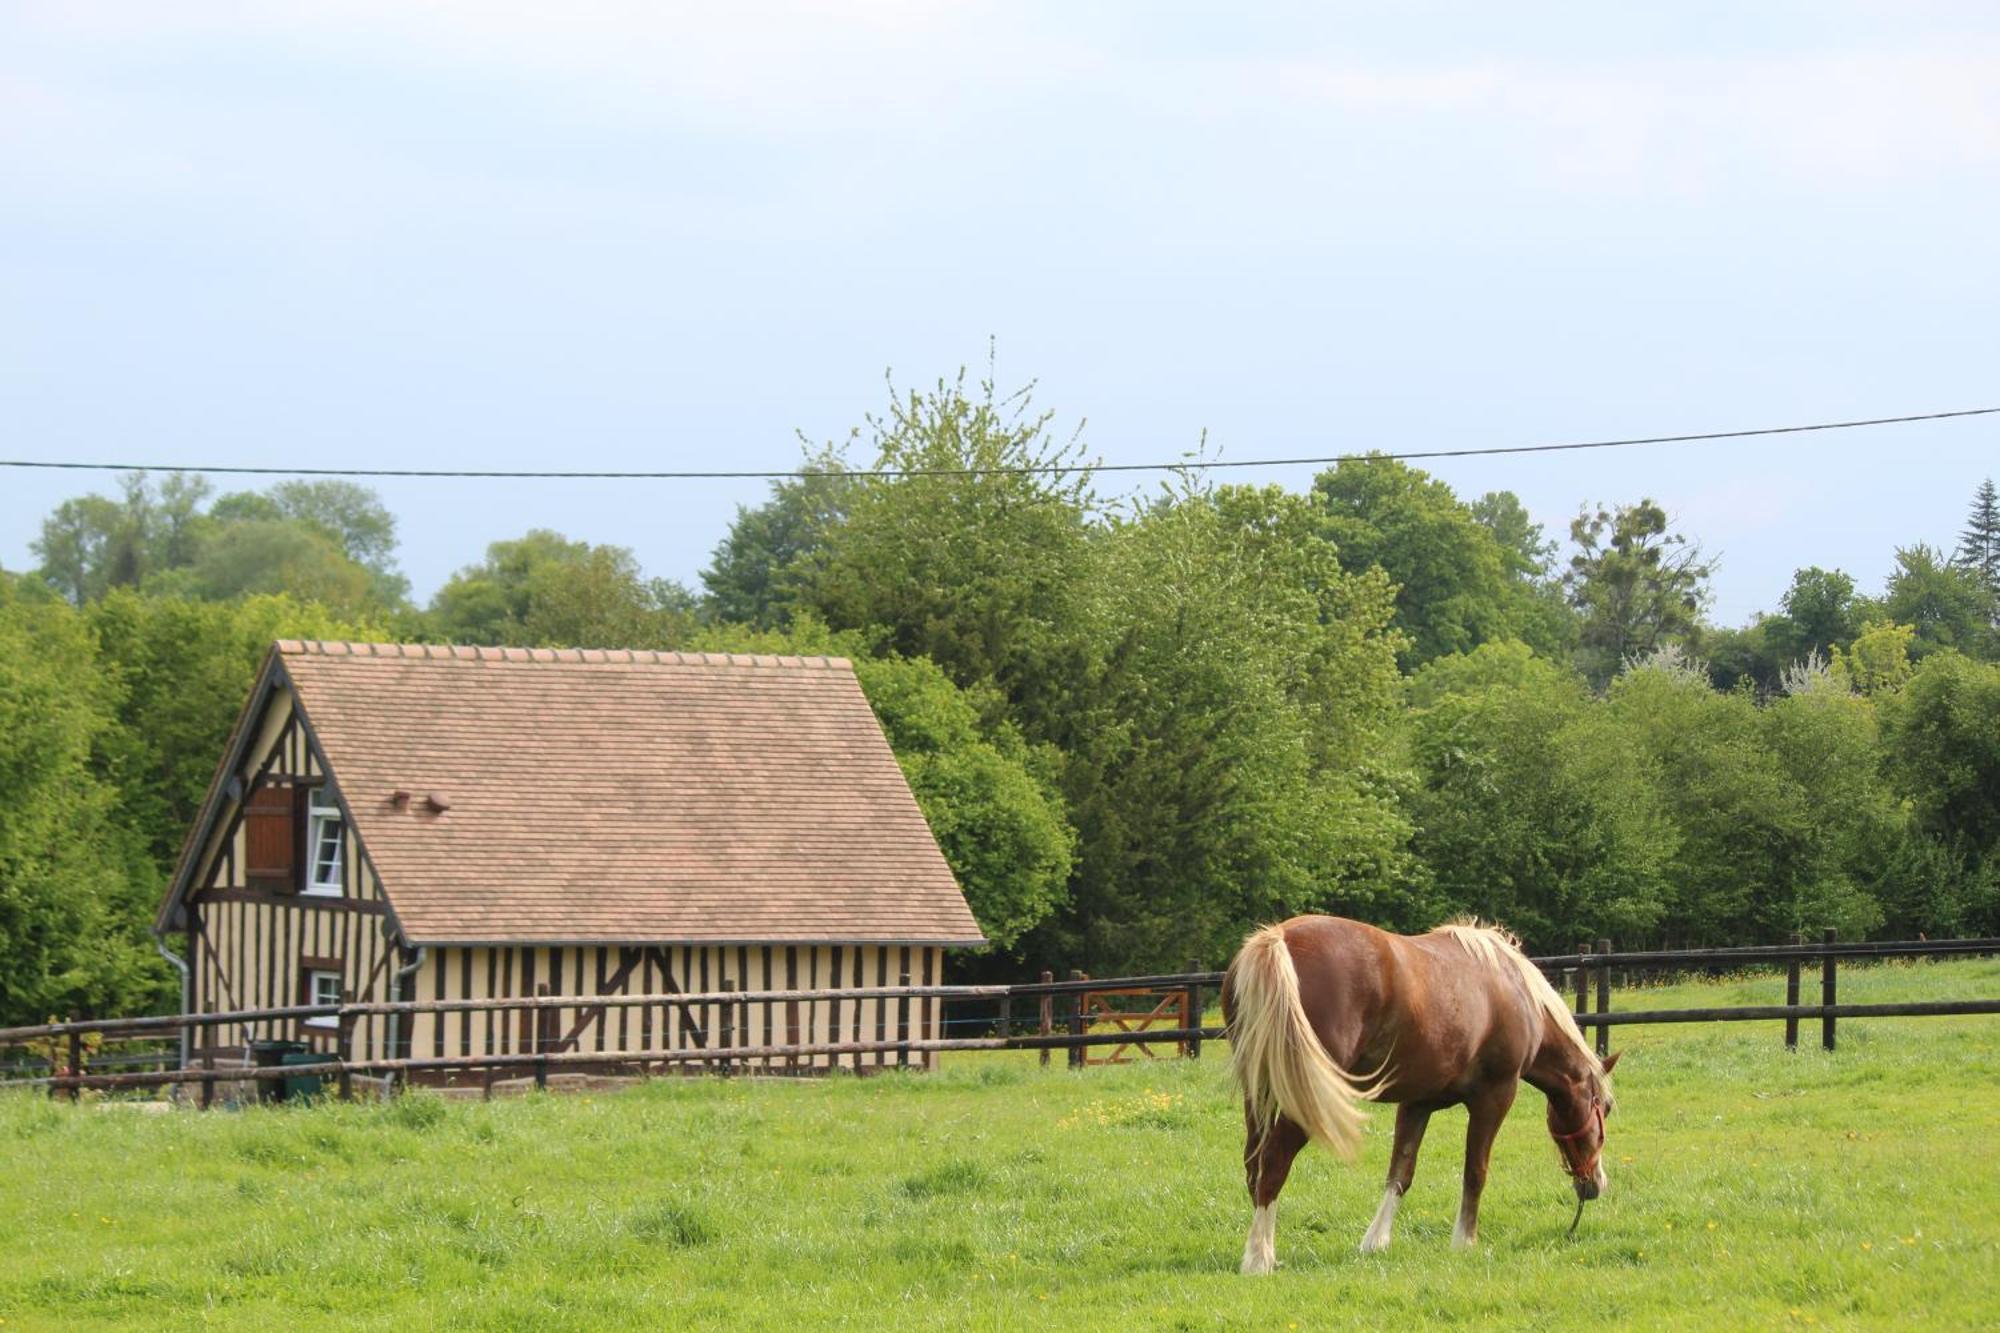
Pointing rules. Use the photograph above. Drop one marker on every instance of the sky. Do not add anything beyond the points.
(640, 235)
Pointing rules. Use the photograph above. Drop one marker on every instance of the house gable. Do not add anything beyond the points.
(582, 797)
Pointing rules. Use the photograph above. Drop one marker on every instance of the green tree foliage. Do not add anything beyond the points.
(1759, 799)
(760, 567)
(1742, 659)
(1827, 742)
(325, 541)
(1546, 622)
(544, 590)
(1636, 586)
(1533, 807)
(980, 573)
(1219, 770)
(93, 544)
(1878, 661)
(182, 669)
(1979, 543)
(1454, 588)
(1949, 606)
(1136, 733)
(76, 887)
(991, 799)
(1820, 613)
(1943, 746)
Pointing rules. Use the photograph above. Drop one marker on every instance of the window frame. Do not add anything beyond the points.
(318, 815)
(313, 971)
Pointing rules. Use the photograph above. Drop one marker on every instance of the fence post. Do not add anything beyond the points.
(208, 1084)
(1193, 1045)
(344, 1046)
(541, 1030)
(903, 1019)
(1076, 1021)
(1603, 998)
(55, 1071)
(76, 1065)
(1792, 994)
(728, 1027)
(1826, 991)
(1006, 1025)
(1048, 1026)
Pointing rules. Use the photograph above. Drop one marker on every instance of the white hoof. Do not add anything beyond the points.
(1260, 1250)
(1376, 1238)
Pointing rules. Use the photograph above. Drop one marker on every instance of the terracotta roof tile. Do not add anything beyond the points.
(625, 795)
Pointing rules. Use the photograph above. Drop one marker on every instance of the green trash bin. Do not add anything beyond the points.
(304, 1087)
(270, 1054)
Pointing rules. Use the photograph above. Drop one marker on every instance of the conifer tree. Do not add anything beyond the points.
(1979, 544)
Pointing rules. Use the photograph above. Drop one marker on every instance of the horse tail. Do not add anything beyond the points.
(1275, 1056)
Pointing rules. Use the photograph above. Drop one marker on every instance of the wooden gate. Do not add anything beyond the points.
(1104, 1012)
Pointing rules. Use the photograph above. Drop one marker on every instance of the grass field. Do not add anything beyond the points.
(1749, 1188)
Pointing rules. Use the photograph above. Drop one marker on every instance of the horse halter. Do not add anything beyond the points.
(1596, 1118)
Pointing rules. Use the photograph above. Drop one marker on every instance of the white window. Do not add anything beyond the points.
(323, 988)
(327, 846)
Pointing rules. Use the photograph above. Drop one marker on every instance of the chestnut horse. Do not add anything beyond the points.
(1325, 1013)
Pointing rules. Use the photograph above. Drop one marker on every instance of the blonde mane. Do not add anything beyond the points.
(1497, 948)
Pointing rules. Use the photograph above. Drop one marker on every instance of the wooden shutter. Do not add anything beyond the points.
(274, 837)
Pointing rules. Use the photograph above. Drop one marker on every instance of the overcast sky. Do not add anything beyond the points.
(634, 235)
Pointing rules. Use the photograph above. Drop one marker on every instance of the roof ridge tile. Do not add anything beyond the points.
(463, 652)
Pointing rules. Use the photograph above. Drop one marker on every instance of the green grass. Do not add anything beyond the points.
(1749, 1187)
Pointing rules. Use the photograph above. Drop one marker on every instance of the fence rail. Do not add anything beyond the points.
(1060, 1016)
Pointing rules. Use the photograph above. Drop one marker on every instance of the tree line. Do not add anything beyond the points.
(1136, 727)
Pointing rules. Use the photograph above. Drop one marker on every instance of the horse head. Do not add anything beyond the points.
(1576, 1123)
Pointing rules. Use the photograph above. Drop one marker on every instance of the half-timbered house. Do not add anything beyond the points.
(462, 823)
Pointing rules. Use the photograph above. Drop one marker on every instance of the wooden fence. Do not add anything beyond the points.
(1044, 1015)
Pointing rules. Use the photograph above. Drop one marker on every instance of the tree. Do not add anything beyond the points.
(266, 557)
(1532, 808)
(1820, 613)
(991, 800)
(1979, 544)
(1741, 823)
(1742, 659)
(544, 590)
(1826, 741)
(324, 541)
(1878, 661)
(76, 888)
(1949, 606)
(1450, 572)
(1207, 787)
(1636, 586)
(181, 669)
(92, 544)
(1943, 745)
(975, 556)
(1544, 619)
(755, 576)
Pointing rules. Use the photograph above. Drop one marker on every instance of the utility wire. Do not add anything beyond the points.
(1189, 465)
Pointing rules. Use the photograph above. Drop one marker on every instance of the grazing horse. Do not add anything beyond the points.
(1458, 1015)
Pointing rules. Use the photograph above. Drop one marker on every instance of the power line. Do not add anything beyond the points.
(1189, 465)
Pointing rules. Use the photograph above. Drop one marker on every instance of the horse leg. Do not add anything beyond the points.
(1488, 1108)
(1411, 1121)
(1267, 1160)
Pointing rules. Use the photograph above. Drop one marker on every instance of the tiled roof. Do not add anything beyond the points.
(625, 796)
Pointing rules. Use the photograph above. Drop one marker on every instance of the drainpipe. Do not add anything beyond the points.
(180, 966)
(403, 974)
